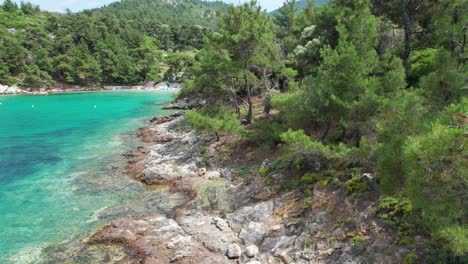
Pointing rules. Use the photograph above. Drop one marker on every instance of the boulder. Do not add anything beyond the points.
(253, 233)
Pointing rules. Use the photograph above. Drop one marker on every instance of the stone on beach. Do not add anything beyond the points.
(234, 251)
(251, 251)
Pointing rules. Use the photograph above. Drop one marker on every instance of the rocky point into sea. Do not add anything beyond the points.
(227, 218)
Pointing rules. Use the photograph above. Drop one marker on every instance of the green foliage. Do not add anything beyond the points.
(358, 243)
(263, 171)
(398, 214)
(311, 178)
(457, 237)
(357, 185)
(411, 258)
(294, 112)
(224, 123)
(400, 119)
(347, 92)
(265, 133)
(423, 62)
(122, 43)
(436, 167)
(307, 203)
(212, 195)
(182, 14)
(446, 84)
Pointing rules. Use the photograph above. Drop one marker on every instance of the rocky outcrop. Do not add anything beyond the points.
(155, 239)
(229, 219)
(185, 104)
(11, 90)
(263, 225)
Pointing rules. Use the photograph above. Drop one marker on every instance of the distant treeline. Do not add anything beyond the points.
(126, 43)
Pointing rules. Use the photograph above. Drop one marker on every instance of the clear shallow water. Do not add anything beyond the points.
(55, 153)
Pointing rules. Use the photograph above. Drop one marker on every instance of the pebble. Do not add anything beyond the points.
(251, 251)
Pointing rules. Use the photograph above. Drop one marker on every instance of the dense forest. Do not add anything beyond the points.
(128, 42)
(302, 4)
(364, 95)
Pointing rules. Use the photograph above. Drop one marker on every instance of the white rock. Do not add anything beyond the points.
(211, 175)
(251, 251)
(220, 223)
(201, 172)
(368, 176)
(253, 262)
(234, 251)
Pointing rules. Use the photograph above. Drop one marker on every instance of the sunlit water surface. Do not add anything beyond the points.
(56, 153)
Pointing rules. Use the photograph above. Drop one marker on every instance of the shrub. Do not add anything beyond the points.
(212, 195)
(397, 213)
(411, 258)
(310, 178)
(263, 171)
(222, 123)
(308, 154)
(358, 243)
(307, 203)
(457, 237)
(265, 133)
(357, 184)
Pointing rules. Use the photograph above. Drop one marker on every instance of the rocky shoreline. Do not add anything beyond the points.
(227, 218)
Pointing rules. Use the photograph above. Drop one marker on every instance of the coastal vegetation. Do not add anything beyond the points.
(351, 92)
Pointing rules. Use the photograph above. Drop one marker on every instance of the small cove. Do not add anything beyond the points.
(58, 160)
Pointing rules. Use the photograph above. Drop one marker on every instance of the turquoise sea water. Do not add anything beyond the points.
(55, 153)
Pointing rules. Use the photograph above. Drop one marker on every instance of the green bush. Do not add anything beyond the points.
(224, 123)
(307, 203)
(358, 243)
(411, 258)
(398, 214)
(311, 178)
(457, 237)
(212, 195)
(263, 171)
(357, 185)
(265, 133)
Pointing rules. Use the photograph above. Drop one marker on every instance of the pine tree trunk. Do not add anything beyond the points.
(249, 101)
(407, 26)
(462, 49)
(234, 100)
